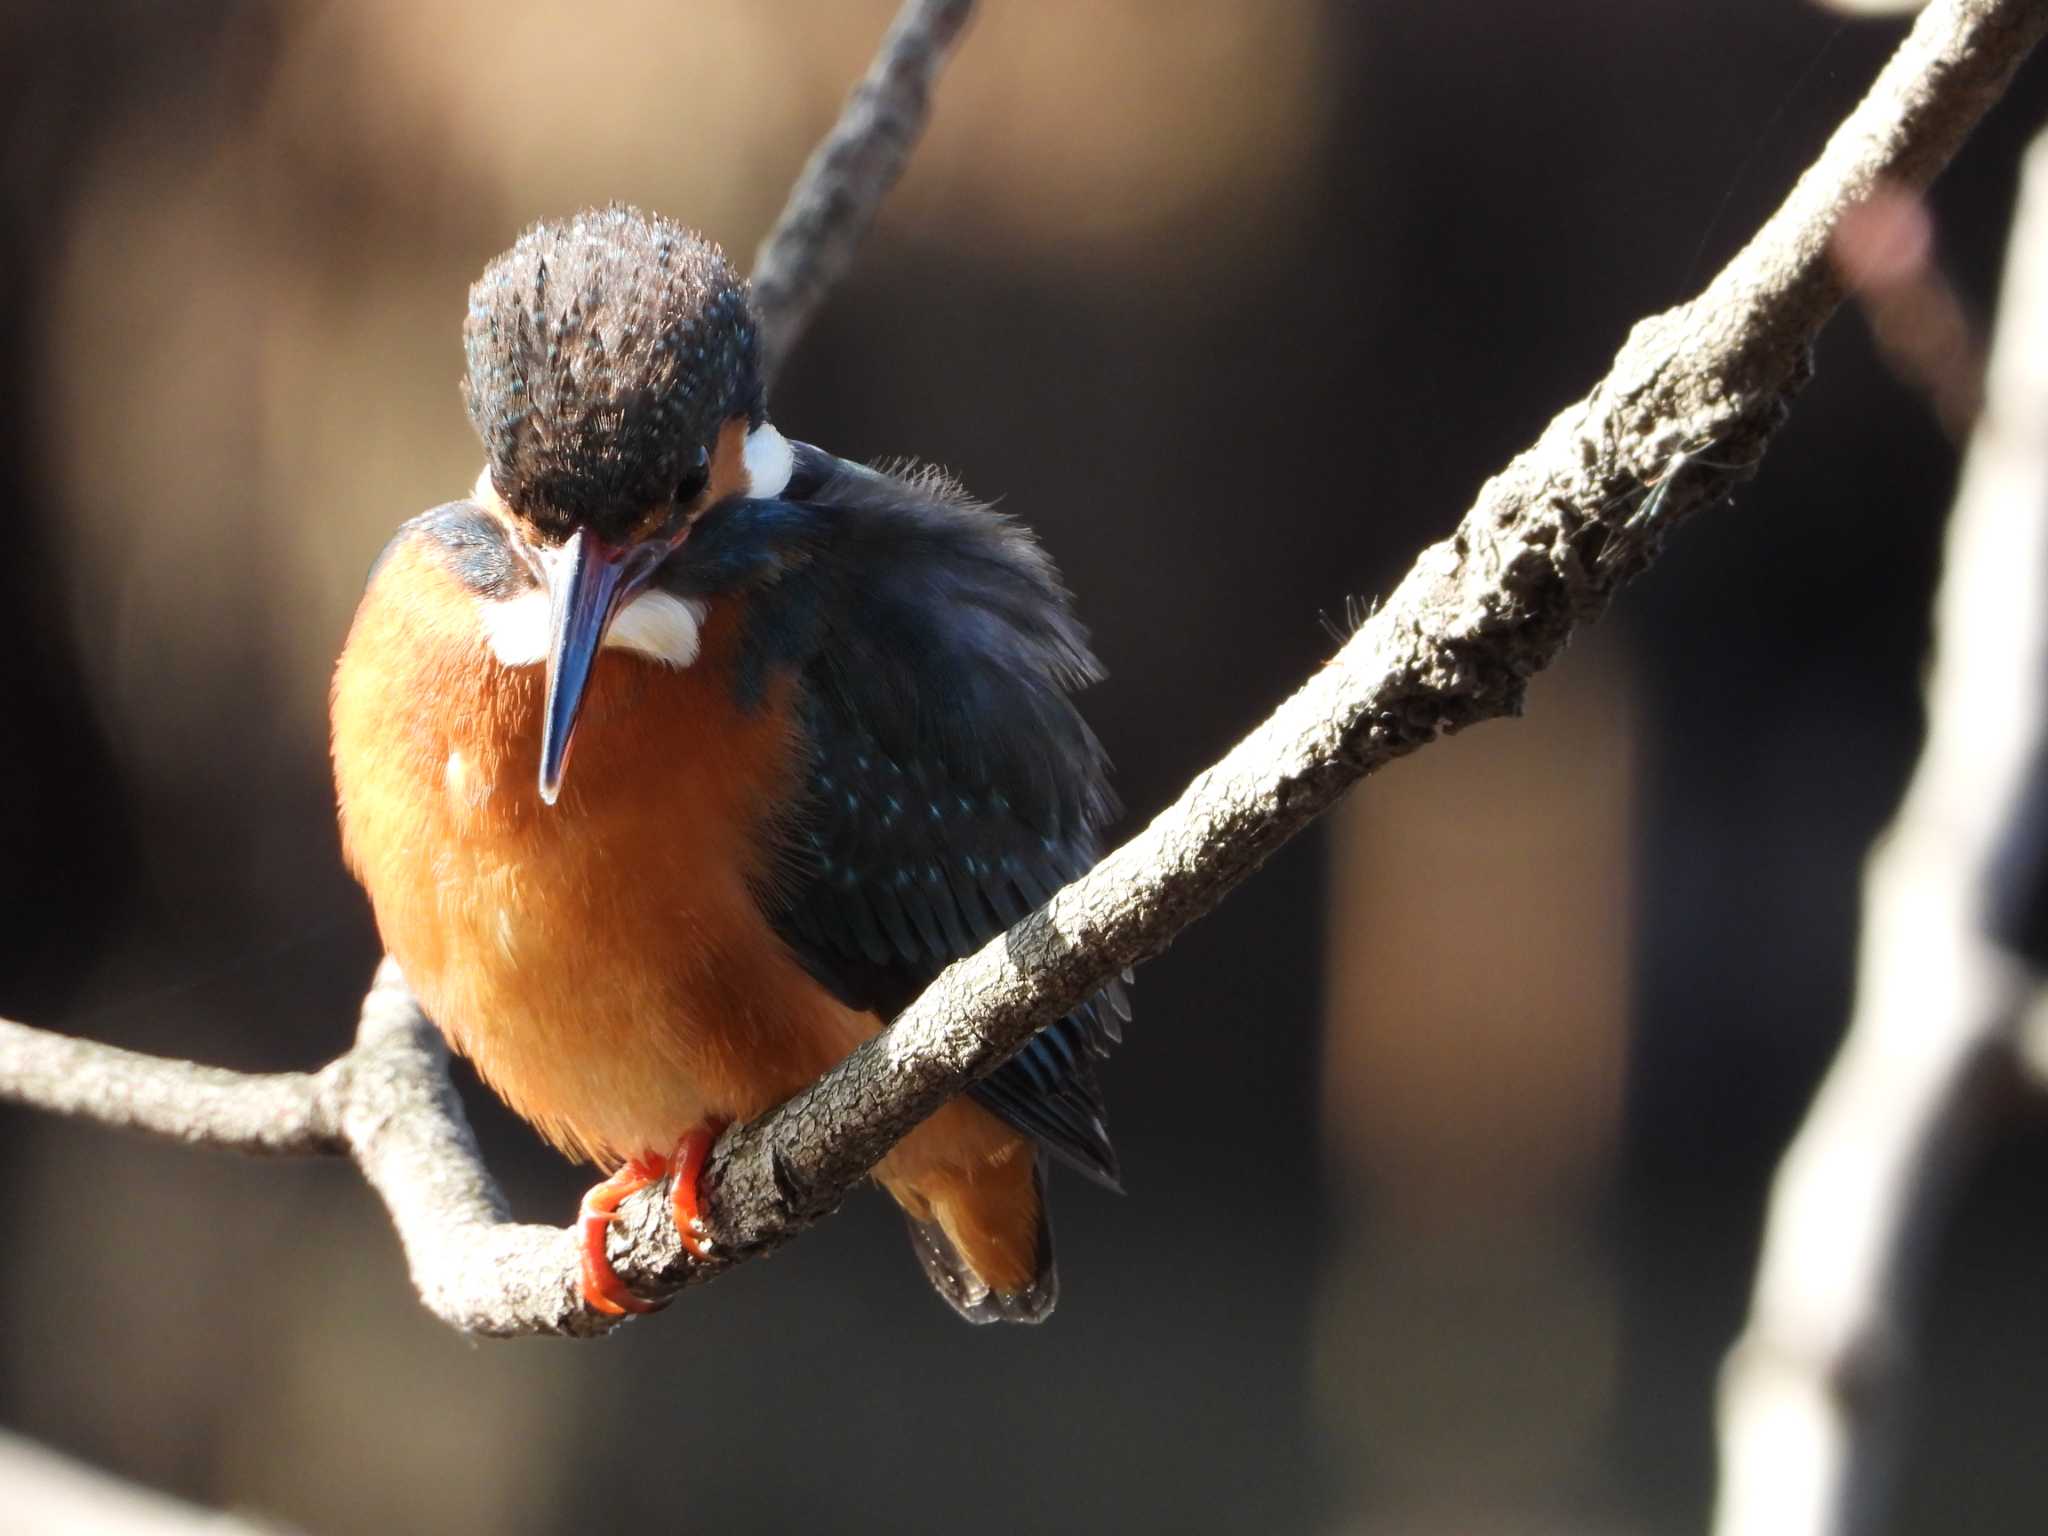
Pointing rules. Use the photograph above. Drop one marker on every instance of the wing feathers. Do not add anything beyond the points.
(954, 787)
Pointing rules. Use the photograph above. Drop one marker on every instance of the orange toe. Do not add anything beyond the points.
(602, 1287)
(687, 1163)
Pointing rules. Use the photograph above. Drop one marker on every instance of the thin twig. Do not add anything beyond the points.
(283, 1112)
(1811, 1392)
(835, 199)
(1885, 250)
(1542, 551)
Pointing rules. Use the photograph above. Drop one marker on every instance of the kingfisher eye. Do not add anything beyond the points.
(692, 479)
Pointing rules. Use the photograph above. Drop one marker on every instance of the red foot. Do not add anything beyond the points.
(602, 1287)
(688, 1163)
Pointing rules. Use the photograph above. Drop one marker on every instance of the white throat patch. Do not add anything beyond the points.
(657, 625)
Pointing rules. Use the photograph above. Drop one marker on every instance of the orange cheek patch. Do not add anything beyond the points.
(728, 464)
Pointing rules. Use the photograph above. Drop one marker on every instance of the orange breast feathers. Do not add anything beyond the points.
(606, 961)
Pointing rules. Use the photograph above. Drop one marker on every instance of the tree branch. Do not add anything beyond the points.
(1810, 1393)
(284, 1112)
(1542, 551)
(835, 199)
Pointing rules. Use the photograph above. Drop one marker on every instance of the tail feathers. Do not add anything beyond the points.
(966, 1292)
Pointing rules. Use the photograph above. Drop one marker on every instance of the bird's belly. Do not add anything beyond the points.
(616, 1030)
(604, 961)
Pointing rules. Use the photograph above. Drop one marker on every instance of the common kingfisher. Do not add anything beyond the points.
(823, 745)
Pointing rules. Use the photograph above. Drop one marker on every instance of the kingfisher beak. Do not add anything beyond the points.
(587, 581)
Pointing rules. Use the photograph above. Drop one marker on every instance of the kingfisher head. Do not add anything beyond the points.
(614, 376)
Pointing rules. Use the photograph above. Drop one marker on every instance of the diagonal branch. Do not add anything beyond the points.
(1455, 644)
(1542, 551)
(835, 199)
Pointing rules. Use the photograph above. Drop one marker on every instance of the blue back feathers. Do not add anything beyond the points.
(952, 785)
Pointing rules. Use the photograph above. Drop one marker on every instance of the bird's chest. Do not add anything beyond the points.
(605, 961)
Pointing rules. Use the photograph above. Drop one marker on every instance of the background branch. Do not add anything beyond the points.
(1810, 1395)
(1542, 551)
(835, 199)
(49, 1492)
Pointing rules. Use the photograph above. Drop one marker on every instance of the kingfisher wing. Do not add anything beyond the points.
(952, 784)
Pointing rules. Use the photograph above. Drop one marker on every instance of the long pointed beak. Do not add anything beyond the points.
(586, 581)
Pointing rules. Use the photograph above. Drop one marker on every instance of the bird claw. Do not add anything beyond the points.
(688, 1161)
(602, 1287)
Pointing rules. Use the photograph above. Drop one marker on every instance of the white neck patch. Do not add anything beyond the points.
(658, 625)
(769, 461)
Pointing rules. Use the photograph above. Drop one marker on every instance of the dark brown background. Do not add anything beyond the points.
(1446, 1139)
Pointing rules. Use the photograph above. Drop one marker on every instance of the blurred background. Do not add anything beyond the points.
(1446, 1138)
